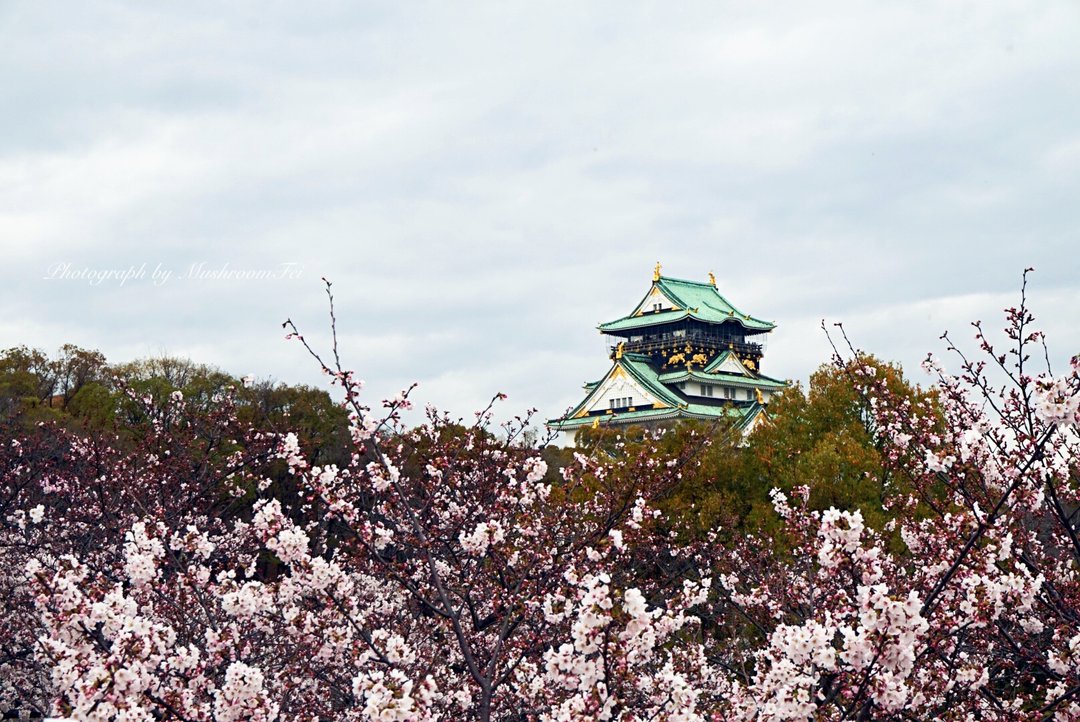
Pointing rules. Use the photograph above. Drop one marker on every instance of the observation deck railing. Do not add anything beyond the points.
(659, 342)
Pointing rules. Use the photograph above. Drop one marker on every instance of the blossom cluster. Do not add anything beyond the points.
(215, 570)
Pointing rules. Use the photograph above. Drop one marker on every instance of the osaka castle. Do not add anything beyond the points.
(684, 352)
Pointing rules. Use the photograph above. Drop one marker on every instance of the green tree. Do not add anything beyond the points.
(73, 368)
(825, 438)
(822, 437)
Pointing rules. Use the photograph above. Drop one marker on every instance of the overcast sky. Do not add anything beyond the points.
(486, 182)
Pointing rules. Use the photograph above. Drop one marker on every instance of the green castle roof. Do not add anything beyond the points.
(637, 367)
(696, 300)
(744, 416)
(753, 382)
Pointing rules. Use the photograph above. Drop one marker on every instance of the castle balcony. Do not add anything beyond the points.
(668, 340)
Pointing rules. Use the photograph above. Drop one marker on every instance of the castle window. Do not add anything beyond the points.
(706, 390)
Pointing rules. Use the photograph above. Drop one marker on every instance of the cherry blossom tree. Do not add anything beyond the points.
(965, 605)
(213, 571)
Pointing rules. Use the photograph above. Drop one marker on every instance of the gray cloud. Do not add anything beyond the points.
(486, 182)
